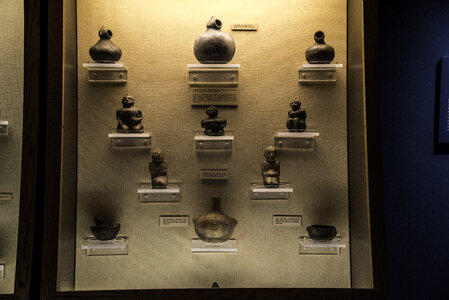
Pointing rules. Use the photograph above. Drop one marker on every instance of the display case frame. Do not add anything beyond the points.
(30, 184)
(53, 179)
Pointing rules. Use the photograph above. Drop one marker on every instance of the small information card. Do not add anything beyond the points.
(214, 96)
(214, 174)
(5, 196)
(287, 220)
(174, 221)
(244, 27)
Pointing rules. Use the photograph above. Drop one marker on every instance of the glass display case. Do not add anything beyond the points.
(160, 112)
(19, 108)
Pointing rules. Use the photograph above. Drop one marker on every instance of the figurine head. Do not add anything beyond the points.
(127, 101)
(157, 155)
(104, 33)
(270, 153)
(295, 104)
(212, 111)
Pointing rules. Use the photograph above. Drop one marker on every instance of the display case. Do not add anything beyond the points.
(217, 205)
(19, 109)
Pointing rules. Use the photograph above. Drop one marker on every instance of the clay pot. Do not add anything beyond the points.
(104, 232)
(105, 51)
(322, 232)
(214, 46)
(214, 227)
(320, 52)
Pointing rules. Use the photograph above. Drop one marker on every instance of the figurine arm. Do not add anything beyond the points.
(203, 124)
(120, 123)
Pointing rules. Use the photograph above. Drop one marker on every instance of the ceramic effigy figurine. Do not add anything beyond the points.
(105, 51)
(158, 170)
(129, 118)
(213, 125)
(296, 117)
(320, 52)
(214, 227)
(271, 168)
(104, 232)
(214, 46)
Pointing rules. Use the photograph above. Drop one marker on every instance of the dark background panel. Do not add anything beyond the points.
(413, 35)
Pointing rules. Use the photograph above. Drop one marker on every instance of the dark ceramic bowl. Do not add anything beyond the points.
(321, 232)
(105, 232)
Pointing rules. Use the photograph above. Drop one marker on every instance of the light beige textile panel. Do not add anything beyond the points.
(11, 106)
(157, 38)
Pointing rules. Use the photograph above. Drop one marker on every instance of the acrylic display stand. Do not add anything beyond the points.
(94, 247)
(318, 73)
(213, 84)
(218, 75)
(309, 246)
(106, 73)
(4, 128)
(131, 140)
(258, 191)
(171, 194)
(202, 246)
(214, 143)
(285, 139)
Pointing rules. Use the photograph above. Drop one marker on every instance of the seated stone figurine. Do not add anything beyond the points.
(213, 125)
(296, 117)
(158, 170)
(129, 118)
(271, 168)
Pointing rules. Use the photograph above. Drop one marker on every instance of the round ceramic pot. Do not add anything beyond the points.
(320, 52)
(214, 46)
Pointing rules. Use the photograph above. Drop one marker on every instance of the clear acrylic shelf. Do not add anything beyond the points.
(217, 75)
(131, 140)
(4, 128)
(258, 191)
(117, 246)
(202, 246)
(309, 246)
(206, 142)
(285, 139)
(214, 66)
(170, 194)
(318, 73)
(106, 72)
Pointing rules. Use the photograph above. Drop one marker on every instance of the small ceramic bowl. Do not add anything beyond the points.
(105, 232)
(322, 232)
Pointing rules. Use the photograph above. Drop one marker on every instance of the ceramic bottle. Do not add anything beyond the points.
(214, 46)
(320, 52)
(105, 51)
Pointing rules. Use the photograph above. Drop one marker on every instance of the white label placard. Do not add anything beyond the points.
(287, 220)
(214, 174)
(5, 196)
(2, 271)
(174, 221)
(244, 27)
(214, 96)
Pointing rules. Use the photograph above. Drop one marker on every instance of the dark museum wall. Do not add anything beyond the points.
(413, 35)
